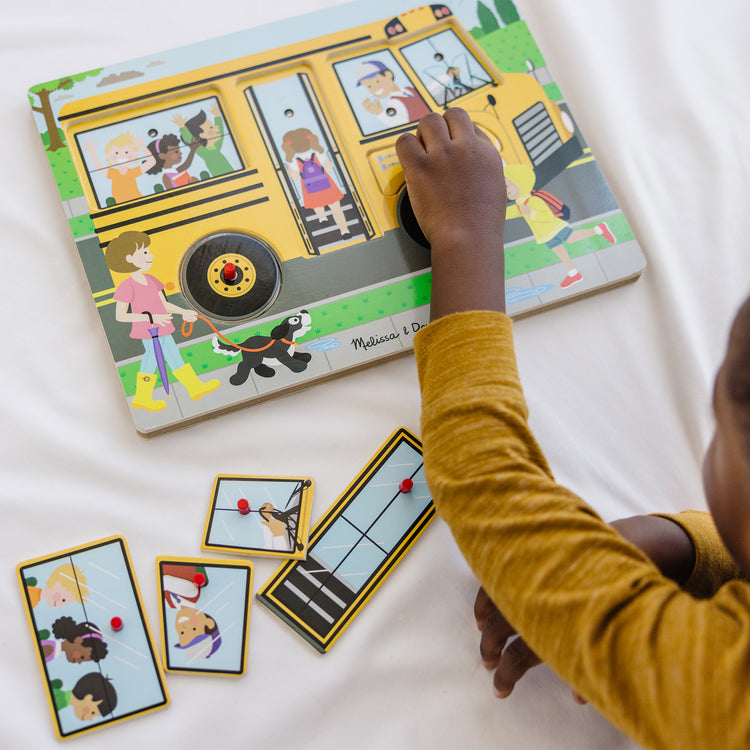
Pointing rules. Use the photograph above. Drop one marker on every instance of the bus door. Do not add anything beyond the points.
(309, 164)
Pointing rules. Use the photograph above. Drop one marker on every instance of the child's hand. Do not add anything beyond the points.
(179, 120)
(373, 106)
(454, 176)
(662, 540)
(189, 316)
(511, 660)
(161, 319)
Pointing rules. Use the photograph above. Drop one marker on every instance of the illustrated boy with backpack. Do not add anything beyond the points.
(547, 218)
(303, 154)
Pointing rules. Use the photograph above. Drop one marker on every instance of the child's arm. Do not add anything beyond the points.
(687, 549)
(663, 541)
(90, 147)
(216, 112)
(513, 212)
(123, 315)
(190, 316)
(666, 668)
(149, 159)
(194, 145)
(185, 134)
(454, 176)
(292, 169)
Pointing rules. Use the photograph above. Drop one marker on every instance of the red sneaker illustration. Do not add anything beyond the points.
(605, 232)
(570, 280)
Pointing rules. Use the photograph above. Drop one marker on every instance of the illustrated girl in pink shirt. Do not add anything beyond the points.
(141, 302)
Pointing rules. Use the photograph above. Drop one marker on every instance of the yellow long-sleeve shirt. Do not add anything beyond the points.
(669, 669)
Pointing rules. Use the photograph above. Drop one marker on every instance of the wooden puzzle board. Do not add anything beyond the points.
(258, 201)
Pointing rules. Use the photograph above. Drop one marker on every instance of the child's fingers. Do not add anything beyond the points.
(409, 148)
(433, 131)
(495, 632)
(578, 698)
(459, 124)
(515, 661)
(483, 607)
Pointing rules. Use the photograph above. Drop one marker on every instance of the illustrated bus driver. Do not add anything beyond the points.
(390, 103)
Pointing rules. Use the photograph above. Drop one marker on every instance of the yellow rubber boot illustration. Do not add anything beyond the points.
(196, 388)
(144, 387)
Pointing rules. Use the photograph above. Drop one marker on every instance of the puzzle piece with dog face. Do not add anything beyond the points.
(205, 614)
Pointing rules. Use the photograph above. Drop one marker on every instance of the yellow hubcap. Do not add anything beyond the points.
(243, 280)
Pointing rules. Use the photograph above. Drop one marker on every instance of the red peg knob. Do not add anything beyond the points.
(406, 485)
(230, 272)
(243, 506)
(199, 580)
(116, 624)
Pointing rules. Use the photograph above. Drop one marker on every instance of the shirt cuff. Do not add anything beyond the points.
(714, 566)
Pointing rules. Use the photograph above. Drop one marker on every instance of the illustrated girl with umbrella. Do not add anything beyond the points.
(141, 302)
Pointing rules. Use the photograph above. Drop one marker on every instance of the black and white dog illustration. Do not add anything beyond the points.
(262, 353)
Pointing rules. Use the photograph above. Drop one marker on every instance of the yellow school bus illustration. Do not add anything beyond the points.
(238, 168)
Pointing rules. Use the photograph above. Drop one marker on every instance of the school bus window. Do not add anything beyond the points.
(445, 66)
(158, 151)
(380, 93)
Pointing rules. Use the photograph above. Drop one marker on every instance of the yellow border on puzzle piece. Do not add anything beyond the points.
(330, 516)
(144, 619)
(205, 562)
(303, 522)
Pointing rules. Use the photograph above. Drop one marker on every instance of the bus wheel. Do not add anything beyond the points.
(407, 220)
(230, 276)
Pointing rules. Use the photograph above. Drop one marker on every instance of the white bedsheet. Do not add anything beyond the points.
(618, 384)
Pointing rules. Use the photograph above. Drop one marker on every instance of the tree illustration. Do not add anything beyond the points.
(44, 92)
(487, 19)
(507, 11)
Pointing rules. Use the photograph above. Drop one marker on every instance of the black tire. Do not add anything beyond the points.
(408, 220)
(202, 280)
